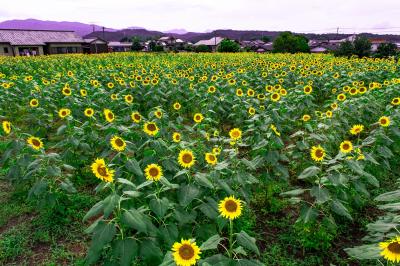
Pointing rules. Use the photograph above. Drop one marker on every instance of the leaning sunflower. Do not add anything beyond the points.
(356, 129)
(211, 159)
(384, 121)
(317, 153)
(186, 158)
(198, 117)
(136, 117)
(6, 127)
(64, 112)
(390, 249)
(346, 146)
(101, 171)
(109, 115)
(118, 143)
(176, 137)
(153, 172)
(185, 253)
(235, 133)
(230, 208)
(396, 101)
(35, 143)
(150, 128)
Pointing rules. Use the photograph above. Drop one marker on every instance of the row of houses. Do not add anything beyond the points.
(15, 42)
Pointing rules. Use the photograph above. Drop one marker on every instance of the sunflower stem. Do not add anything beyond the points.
(230, 237)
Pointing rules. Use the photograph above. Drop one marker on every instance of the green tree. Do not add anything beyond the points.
(136, 46)
(362, 46)
(287, 42)
(228, 46)
(386, 50)
(345, 49)
(265, 39)
(202, 48)
(154, 47)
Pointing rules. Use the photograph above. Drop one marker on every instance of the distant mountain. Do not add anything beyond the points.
(176, 31)
(81, 29)
(125, 34)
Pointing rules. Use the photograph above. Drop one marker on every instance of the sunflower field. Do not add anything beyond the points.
(194, 159)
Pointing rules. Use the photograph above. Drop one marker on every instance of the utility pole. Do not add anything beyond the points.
(103, 33)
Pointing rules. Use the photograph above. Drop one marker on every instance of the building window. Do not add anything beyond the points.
(6, 50)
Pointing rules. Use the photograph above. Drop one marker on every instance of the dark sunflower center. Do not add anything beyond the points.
(235, 134)
(110, 115)
(346, 146)
(186, 252)
(307, 90)
(89, 112)
(394, 247)
(34, 102)
(102, 170)
(119, 142)
(319, 153)
(197, 117)
(136, 116)
(275, 96)
(231, 206)
(357, 129)
(36, 143)
(129, 98)
(211, 158)
(187, 158)
(63, 113)
(396, 100)
(353, 91)
(153, 171)
(383, 121)
(151, 127)
(178, 137)
(67, 91)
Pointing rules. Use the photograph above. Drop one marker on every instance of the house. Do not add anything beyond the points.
(15, 42)
(95, 46)
(212, 43)
(375, 44)
(319, 49)
(119, 46)
(171, 43)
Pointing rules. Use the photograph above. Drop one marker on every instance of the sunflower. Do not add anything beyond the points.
(306, 117)
(329, 114)
(211, 89)
(186, 158)
(341, 97)
(307, 89)
(185, 253)
(273, 127)
(230, 208)
(153, 172)
(177, 106)
(390, 249)
(275, 97)
(34, 103)
(158, 114)
(83, 92)
(101, 171)
(346, 146)
(109, 115)
(252, 111)
(89, 112)
(110, 85)
(317, 153)
(334, 106)
(396, 101)
(114, 96)
(66, 91)
(250, 92)
(198, 117)
(6, 127)
(136, 117)
(239, 92)
(35, 143)
(128, 98)
(64, 112)
(384, 121)
(216, 150)
(211, 158)
(235, 133)
(176, 137)
(150, 128)
(118, 143)
(356, 129)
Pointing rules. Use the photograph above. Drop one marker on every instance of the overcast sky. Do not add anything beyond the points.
(200, 15)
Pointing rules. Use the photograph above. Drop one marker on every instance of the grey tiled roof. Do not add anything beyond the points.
(38, 37)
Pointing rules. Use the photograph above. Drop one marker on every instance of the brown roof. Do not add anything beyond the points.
(38, 37)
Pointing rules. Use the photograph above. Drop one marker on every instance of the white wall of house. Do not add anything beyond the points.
(6, 49)
(39, 48)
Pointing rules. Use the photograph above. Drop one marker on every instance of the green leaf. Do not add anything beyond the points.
(159, 206)
(294, 192)
(126, 250)
(369, 252)
(202, 180)
(309, 172)
(125, 182)
(95, 210)
(68, 186)
(134, 219)
(211, 243)
(389, 196)
(151, 253)
(320, 194)
(340, 209)
(168, 260)
(247, 242)
(61, 129)
(133, 194)
(308, 213)
(186, 194)
(53, 171)
(104, 234)
(133, 166)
